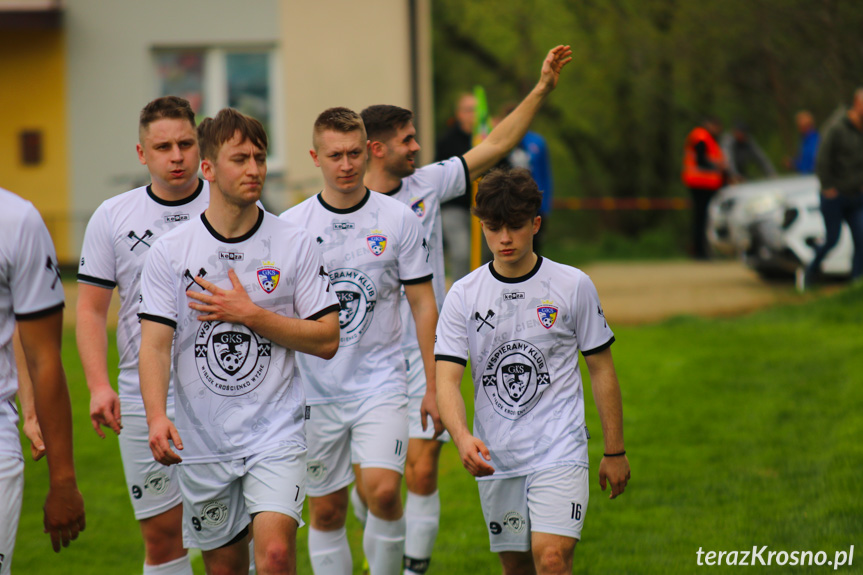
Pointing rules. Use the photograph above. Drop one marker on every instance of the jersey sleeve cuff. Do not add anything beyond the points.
(41, 313)
(421, 280)
(158, 319)
(450, 358)
(466, 174)
(603, 347)
(326, 311)
(99, 282)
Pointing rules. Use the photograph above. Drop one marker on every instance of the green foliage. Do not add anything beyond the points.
(740, 432)
(644, 72)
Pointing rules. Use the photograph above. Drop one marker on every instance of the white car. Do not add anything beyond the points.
(787, 236)
(775, 225)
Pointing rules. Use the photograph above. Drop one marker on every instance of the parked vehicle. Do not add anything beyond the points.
(775, 225)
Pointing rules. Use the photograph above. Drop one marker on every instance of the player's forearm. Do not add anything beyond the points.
(154, 370)
(425, 318)
(92, 339)
(449, 400)
(318, 337)
(609, 404)
(54, 411)
(25, 384)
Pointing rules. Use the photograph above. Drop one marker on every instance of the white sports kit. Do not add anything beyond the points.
(238, 396)
(423, 192)
(118, 237)
(370, 250)
(30, 288)
(523, 336)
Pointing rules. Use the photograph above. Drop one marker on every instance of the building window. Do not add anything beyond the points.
(215, 78)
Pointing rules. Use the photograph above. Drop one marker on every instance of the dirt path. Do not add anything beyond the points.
(646, 292)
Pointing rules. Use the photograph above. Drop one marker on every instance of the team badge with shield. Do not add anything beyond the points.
(268, 277)
(418, 205)
(349, 303)
(377, 242)
(515, 377)
(547, 313)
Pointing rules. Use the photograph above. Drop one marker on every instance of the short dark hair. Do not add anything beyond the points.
(507, 197)
(338, 119)
(173, 107)
(383, 121)
(213, 132)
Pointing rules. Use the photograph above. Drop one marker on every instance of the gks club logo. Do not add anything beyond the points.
(357, 296)
(547, 313)
(377, 242)
(157, 483)
(514, 378)
(232, 360)
(268, 277)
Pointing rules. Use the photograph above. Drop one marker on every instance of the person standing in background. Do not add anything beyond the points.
(704, 173)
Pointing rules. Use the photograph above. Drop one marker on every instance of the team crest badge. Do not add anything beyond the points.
(268, 277)
(418, 205)
(377, 242)
(357, 297)
(514, 521)
(157, 483)
(232, 360)
(547, 313)
(214, 513)
(515, 377)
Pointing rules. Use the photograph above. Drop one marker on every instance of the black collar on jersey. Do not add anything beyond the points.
(350, 210)
(396, 190)
(242, 238)
(182, 202)
(517, 280)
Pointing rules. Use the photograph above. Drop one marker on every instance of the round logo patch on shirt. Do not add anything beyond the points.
(514, 378)
(357, 296)
(232, 360)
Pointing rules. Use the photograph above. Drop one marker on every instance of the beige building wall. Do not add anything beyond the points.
(341, 53)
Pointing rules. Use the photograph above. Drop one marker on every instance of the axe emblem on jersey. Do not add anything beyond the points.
(484, 321)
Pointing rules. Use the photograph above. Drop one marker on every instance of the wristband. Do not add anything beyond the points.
(621, 454)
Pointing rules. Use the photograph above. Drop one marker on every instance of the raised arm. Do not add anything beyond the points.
(92, 338)
(614, 466)
(424, 310)
(64, 506)
(473, 452)
(319, 336)
(512, 129)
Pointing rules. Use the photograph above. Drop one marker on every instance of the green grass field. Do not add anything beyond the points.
(740, 432)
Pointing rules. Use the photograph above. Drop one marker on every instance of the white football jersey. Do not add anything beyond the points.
(119, 235)
(423, 192)
(370, 250)
(236, 393)
(523, 336)
(30, 287)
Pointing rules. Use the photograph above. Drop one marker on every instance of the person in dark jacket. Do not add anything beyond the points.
(839, 168)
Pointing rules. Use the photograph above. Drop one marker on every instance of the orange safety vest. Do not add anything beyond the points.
(695, 176)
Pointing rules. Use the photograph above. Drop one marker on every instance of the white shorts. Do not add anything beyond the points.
(371, 432)
(219, 498)
(153, 487)
(550, 501)
(12, 488)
